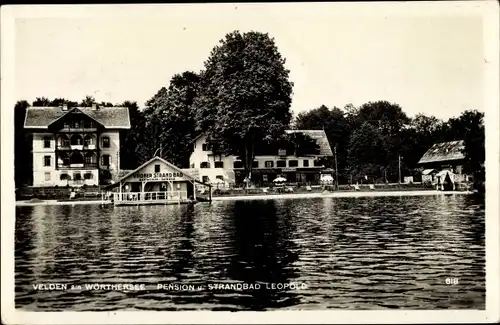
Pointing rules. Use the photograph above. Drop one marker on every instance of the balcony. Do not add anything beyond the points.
(77, 166)
(79, 129)
(76, 147)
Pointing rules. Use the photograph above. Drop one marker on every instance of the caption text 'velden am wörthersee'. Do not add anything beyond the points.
(168, 286)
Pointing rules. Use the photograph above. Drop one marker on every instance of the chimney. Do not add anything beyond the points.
(95, 106)
(65, 107)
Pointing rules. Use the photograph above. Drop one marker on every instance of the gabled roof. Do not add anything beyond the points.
(109, 117)
(156, 158)
(444, 151)
(320, 136)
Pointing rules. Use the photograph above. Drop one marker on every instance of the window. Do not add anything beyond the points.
(255, 164)
(157, 168)
(63, 141)
(191, 166)
(105, 142)
(264, 177)
(47, 176)
(306, 163)
(219, 164)
(76, 140)
(269, 164)
(46, 141)
(219, 177)
(317, 163)
(206, 147)
(88, 176)
(64, 176)
(238, 164)
(281, 163)
(105, 160)
(46, 161)
(90, 158)
(89, 140)
(205, 179)
(77, 176)
(293, 163)
(205, 164)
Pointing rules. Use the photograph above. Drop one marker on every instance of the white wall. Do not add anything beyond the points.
(39, 152)
(198, 156)
(112, 151)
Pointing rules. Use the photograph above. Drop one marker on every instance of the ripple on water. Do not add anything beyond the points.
(351, 253)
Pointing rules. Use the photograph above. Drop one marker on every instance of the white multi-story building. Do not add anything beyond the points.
(208, 166)
(77, 146)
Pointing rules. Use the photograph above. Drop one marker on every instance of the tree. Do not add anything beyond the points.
(87, 101)
(131, 140)
(41, 101)
(23, 160)
(245, 94)
(170, 119)
(366, 152)
(474, 142)
(336, 126)
(389, 120)
(422, 132)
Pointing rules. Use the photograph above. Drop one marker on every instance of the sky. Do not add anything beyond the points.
(426, 63)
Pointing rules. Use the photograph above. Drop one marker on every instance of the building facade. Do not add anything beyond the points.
(445, 158)
(155, 182)
(207, 166)
(77, 146)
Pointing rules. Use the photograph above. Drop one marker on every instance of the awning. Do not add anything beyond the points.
(427, 171)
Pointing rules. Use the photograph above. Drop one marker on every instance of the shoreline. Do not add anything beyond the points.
(272, 197)
(55, 202)
(339, 194)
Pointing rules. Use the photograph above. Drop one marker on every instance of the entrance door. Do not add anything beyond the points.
(135, 187)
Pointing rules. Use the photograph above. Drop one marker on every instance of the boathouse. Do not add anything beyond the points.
(155, 182)
(444, 160)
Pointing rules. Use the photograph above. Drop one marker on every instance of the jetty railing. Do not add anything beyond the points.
(151, 196)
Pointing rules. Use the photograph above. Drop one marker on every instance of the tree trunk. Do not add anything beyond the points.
(249, 155)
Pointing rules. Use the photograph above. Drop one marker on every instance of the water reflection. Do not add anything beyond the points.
(358, 253)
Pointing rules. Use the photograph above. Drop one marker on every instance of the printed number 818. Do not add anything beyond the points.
(451, 281)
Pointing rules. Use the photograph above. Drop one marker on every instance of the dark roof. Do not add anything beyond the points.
(320, 136)
(109, 117)
(444, 151)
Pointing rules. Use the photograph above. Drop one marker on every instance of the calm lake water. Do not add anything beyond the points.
(345, 253)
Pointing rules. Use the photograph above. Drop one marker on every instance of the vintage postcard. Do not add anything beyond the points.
(250, 163)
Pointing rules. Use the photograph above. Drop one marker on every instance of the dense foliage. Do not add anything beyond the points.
(245, 95)
(375, 138)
